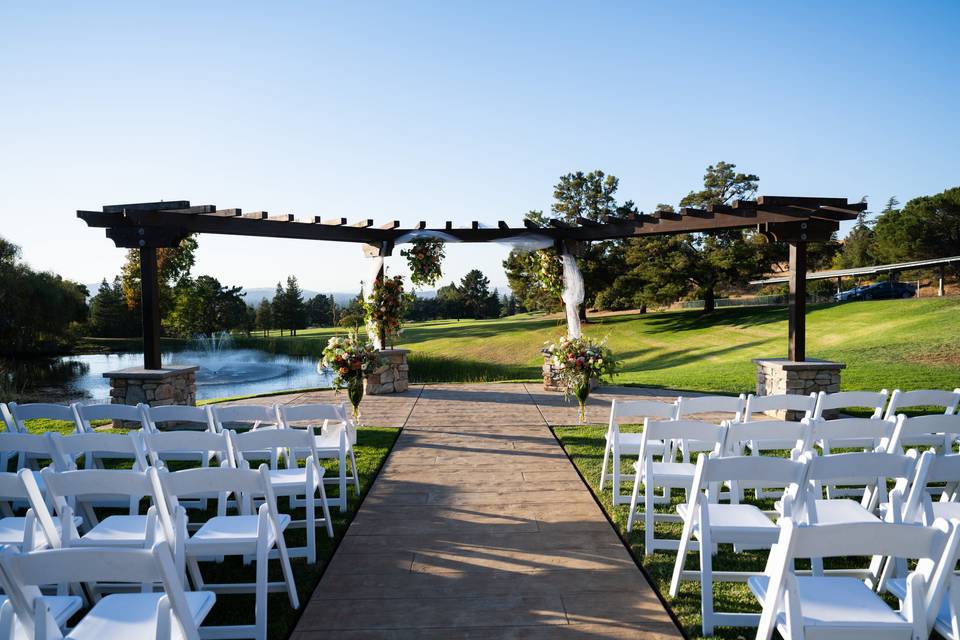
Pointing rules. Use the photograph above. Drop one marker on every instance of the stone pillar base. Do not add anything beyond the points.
(155, 387)
(551, 378)
(776, 376)
(393, 377)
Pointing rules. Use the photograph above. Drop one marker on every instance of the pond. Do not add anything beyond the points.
(222, 373)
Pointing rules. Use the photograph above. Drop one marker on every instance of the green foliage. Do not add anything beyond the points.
(476, 297)
(110, 317)
(173, 267)
(203, 305)
(264, 316)
(41, 311)
(321, 310)
(927, 227)
(289, 309)
(859, 247)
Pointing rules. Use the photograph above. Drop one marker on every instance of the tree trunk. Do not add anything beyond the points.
(643, 307)
(709, 303)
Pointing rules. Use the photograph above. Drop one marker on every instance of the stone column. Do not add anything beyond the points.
(175, 384)
(392, 377)
(776, 376)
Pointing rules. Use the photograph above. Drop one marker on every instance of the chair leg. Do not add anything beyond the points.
(311, 529)
(343, 480)
(681, 557)
(260, 600)
(648, 539)
(326, 510)
(603, 468)
(356, 475)
(615, 479)
(633, 501)
(706, 587)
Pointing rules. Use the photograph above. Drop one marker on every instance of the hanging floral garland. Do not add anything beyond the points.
(384, 307)
(549, 271)
(424, 259)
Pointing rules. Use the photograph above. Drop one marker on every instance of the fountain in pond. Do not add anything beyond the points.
(214, 349)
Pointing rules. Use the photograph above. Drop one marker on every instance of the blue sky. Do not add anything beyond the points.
(449, 110)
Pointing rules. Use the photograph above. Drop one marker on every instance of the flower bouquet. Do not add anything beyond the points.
(384, 308)
(350, 359)
(424, 259)
(578, 361)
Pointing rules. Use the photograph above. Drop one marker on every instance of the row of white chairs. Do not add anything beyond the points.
(255, 532)
(335, 438)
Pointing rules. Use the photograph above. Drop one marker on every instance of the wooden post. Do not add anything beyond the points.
(797, 302)
(383, 331)
(150, 307)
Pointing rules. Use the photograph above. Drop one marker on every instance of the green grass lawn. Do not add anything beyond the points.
(892, 343)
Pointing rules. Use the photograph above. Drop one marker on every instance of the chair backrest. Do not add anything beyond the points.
(72, 446)
(687, 405)
(96, 482)
(253, 415)
(934, 547)
(694, 430)
(178, 413)
(163, 442)
(948, 400)
(776, 471)
(638, 410)
(30, 444)
(87, 413)
(8, 420)
(760, 432)
(851, 400)
(26, 572)
(23, 412)
(292, 440)
(780, 402)
(856, 466)
(942, 425)
(311, 412)
(880, 431)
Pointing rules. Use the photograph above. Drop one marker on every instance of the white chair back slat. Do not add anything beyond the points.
(685, 430)
(879, 431)
(766, 434)
(253, 416)
(311, 412)
(41, 410)
(640, 409)
(158, 444)
(776, 471)
(175, 413)
(85, 414)
(71, 447)
(291, 440)
(851, 400)
(947, 400)
(942, 427)
(780, 402)
(693, 405)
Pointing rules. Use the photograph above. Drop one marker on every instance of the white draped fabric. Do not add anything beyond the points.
(572, 293)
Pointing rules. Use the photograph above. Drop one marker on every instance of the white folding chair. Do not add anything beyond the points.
(29, 449)
(864, 434)
(36, 529)
(742, 525)
(177, 417)
(619, 444)
(759, 436)
(164, 615)
(60, 607)
(131, 415)
(944, 472)
(258, 535)
(899, 400)
(248, 417)
(87, 487)
(333, 442)
(719, 409)
(206, 447)
(784, 405)
(820, 606)
(666, 473)
(294, 481)
(94, 447)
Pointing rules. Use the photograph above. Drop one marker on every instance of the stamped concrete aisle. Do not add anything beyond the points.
(479, 527)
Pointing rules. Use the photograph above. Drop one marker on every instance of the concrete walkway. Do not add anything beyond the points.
(479, 527)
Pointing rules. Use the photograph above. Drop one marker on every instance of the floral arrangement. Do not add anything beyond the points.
(577, 361)
(350, 359)
(385, 306)
(424, 259)
(550, 271)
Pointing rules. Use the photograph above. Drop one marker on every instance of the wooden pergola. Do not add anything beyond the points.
(148, 226)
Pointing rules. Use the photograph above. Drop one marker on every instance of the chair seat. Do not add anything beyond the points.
(119, 531)
(12, 530)
(61, 608)
(842, 510)
(629, 444)
(290, 479)
(674, 473)
(232, 530)
(831, 604)
(898, 587)
(134, 615)
(737, 523)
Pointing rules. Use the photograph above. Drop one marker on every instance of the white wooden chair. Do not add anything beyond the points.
(787, 402)
(60, 607)
(85, 488)
(666, 473)
(293, 481)
(202, 446)
(944, 472)
(258, 535)
(40, 410)
(842, 608)
(248, 417)
(333, 443)
(36, 529)
(742, 525)
(85, 414)
(721, 409)
(865, 434)
(759, 436)
(177, 417)
(30, 449)
(164, 615)
(619, 444)
(94, 447)
(833, 402)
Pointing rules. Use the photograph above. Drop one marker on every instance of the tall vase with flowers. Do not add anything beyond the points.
(578, 362)
(350, 359)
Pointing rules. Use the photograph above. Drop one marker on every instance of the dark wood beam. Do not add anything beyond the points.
(146, 206)
(334, 222)
(530, 224)
(150, 307)
(502, 225)
(797, 303)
